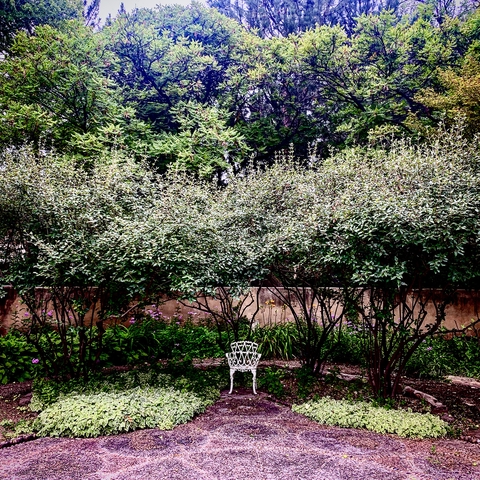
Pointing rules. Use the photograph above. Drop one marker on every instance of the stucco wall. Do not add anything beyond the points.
(465, 308)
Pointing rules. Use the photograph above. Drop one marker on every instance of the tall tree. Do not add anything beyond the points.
(271, 18)
(91, 9)
(25, 15)
(55, 89)
(283, 17)
(172, 54)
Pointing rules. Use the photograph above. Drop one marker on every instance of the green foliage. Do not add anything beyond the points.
(179, 376)
(368, 235)
(27, 15)
(64, 218)
(270, 379)
(277, 341)
(347, 346)
(189, 86)
(57, 92)
(457, 95)
(159, 397)
(282, 18)
(111, 413)
(204, 143)
(149, 339)
(16, 356)
(305, 381)
(172, 55)
(363, 415)
(15, 429)
(440, 356)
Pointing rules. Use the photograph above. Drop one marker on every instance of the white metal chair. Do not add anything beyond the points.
(243, 357)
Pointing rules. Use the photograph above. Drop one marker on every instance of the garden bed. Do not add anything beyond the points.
(284, 382)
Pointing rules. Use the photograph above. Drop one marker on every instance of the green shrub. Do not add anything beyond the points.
(16, 357)
(182, 377)
(347, 345)
(270, 380)
(342, 413)
(440, 356)
(305, 382)
(149, 339)
(104, 413)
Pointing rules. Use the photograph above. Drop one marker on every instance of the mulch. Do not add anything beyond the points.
(243, 437)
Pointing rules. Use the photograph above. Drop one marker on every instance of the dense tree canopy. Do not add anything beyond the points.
(191, 87)
(26, 15)
(384, 227)
(273, 18)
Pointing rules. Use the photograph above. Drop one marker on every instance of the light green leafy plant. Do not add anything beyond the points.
(363, 415)
(47, 392)
(116, 412)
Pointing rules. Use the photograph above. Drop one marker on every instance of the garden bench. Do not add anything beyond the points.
(243, 357)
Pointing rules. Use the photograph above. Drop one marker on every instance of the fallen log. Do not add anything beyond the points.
(438, 407)
(464, 381)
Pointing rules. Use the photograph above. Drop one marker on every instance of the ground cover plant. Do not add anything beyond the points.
(363, 415)
(126, 401)
(112, 413)
(157, 396)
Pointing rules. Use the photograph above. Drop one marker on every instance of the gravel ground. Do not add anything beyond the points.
(243, 437)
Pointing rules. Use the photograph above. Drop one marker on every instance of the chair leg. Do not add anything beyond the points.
(254, 374)
(232, 371)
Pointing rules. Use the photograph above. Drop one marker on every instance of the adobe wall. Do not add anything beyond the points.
(460, 313)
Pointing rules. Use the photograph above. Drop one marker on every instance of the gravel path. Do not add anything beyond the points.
(243, 437)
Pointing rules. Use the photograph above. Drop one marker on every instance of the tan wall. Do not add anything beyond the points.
(460, 313)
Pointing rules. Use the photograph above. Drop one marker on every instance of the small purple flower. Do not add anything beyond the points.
(35, 360)
(180, 317)
(178, 323)
(132, 321)
(429, 348)
(26, 314)
(50, 313)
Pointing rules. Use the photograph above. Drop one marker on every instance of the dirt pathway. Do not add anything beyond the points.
(243, 437)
